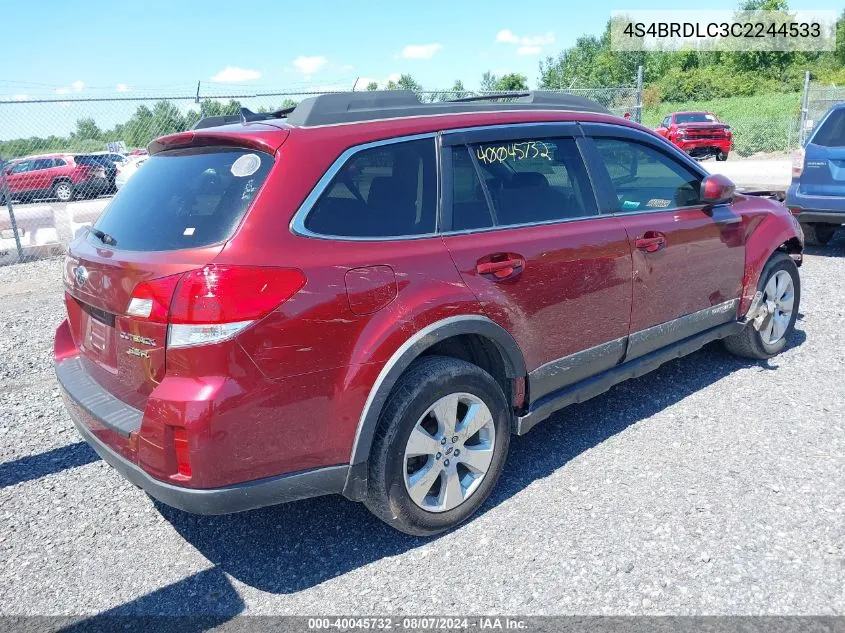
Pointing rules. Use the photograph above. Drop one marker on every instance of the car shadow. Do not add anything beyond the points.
(291, 547)
(46, 463)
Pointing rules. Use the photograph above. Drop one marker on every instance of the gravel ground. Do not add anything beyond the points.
(711, 486)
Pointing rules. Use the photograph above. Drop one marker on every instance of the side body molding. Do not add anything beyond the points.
(356, 481)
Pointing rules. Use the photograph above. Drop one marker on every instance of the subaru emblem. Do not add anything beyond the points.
(81, 275)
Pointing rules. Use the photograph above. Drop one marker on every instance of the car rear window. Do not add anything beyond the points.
(832, 131)
(185, 198)
(695, 117)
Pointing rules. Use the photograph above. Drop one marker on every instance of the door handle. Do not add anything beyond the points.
(501, 268)
(651, 242)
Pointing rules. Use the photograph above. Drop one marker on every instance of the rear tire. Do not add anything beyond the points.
(759, 344)
(818, 234)
(63, 190)
(722, 156)
(450, 469)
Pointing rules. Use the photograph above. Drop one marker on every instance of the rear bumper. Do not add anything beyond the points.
(100, 418)
(826, 209)
(246, 496)
(703, 145)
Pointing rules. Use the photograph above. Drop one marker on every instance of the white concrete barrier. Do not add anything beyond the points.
(752, 174)
(44, 229)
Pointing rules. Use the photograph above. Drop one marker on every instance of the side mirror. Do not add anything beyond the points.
(716, 189)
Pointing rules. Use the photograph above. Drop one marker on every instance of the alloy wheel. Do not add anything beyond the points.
(449, 452)
(779, 298)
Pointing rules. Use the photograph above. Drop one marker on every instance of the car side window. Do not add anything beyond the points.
(646, 179)
(534, 180)
(59, 162)
(469, 203)
(667, 121)
(42, 163)
(386, 191)
(20, 168)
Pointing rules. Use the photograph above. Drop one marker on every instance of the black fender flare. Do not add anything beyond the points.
(410, 350)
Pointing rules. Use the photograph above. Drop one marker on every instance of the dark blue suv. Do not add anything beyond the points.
(817, 193)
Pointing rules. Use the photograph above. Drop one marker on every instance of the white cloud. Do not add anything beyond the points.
(309, 65)
(234, 74)
(526, 44)
(421, 51)
(121, 88)
(506, 36)
(20, 97)
(76, 86)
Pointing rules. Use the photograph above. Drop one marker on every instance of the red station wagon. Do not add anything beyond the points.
(368, 295)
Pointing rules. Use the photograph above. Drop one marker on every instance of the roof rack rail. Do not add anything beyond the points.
(489, 97)
(351, 107)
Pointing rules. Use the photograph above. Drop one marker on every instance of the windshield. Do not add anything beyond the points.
(184, 199)
(695, 117)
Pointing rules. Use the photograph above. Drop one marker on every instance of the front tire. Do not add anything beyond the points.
(722, 156)
(440, 447)
(781, 288)
(818, 234)
(63, 190)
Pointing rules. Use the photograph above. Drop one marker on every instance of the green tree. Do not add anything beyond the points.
(458, 91)
(488, 82)
(511, 81)
(372, 86)
(87, 129)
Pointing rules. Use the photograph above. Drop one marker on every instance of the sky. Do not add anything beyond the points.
(56, 50)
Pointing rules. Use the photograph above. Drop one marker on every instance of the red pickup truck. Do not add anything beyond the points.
(699, 134)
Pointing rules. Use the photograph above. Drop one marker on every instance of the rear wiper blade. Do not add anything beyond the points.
(105, 238)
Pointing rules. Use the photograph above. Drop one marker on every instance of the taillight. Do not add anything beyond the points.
(215, 302)
(151, 299)
(180, 446)
(798, 162)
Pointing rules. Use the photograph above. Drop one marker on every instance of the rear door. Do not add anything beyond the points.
(688, 258)
(173, 216)
(824, 162)
(41, 174)
(523, 228)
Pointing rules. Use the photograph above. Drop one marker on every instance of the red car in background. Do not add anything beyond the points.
(699, 134)
(62, 176)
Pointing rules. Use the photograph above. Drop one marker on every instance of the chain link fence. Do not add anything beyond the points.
(61, 160)
(818, 99)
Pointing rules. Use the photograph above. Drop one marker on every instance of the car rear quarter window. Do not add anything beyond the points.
(646, 179)
(533, 180)
(381, 192)
(832, 130)
(185, 198)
